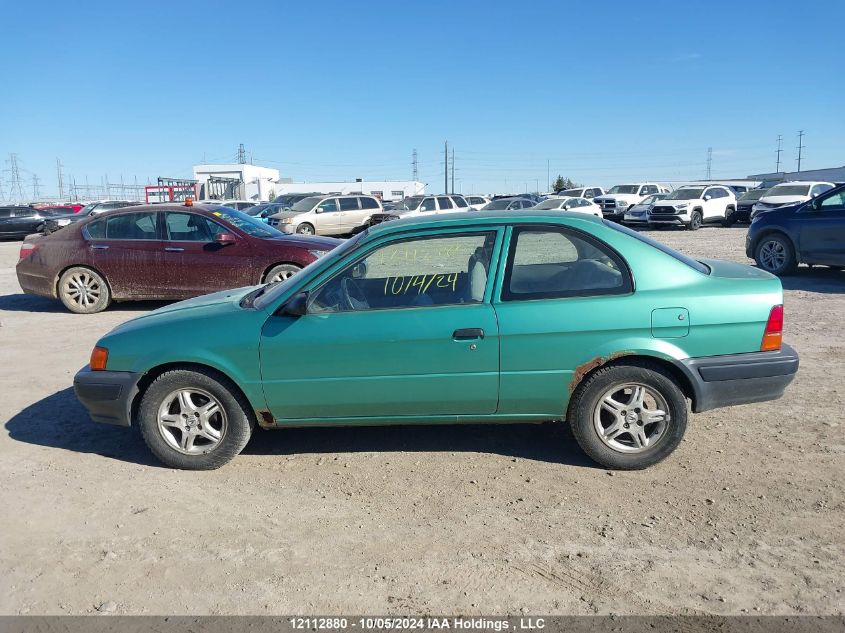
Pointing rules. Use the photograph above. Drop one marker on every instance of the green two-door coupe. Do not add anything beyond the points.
(483, 317)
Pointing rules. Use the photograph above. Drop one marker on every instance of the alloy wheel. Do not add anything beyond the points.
(773, 255)
(192, 421)
(83, 289)
(631, 418)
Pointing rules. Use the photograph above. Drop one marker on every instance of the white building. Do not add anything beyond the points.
(246, 182)
(387, 190)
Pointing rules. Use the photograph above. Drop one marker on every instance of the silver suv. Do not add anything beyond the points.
(327, 215)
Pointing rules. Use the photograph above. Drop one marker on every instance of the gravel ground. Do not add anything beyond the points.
(746, 516)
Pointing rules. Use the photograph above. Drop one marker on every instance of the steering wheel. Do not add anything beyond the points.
(353, 295)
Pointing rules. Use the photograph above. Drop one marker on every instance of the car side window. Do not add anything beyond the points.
(24, 213)
(459, 202)
(131, 226)
(327, 206)
(444, 202)
(550, 263)
(428, 205)
(96, 230)
(835, 201)
(189, 227)
(349, 204)
(369, 203)
(412, 273)
(819, 189)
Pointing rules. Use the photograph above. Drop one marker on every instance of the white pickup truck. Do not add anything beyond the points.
(617, 200)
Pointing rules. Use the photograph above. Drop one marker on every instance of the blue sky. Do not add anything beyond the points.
(605, 91)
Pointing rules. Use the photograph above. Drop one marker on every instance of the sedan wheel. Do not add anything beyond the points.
(305, 229)
(83, 291)
(775, 255)
(281, 273)
(630, 417)
(191, 421)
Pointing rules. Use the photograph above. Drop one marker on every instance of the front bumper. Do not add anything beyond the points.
(723, 381)
(107, 395)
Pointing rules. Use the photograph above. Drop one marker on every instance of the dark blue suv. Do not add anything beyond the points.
(811, 232)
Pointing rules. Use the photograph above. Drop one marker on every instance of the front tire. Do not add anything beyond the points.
(628, 417)
(695, 221)
(194, 419)
(774, 254)
(281, 272)
(305, 229)
(83, 290)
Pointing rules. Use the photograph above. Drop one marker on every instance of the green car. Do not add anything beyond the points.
(485, 317)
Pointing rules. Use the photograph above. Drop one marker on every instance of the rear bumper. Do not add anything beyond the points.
(33, 284)
(107, 395)
(723, 381)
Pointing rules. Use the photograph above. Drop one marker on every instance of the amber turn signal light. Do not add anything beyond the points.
(99, 358)
(773, 334)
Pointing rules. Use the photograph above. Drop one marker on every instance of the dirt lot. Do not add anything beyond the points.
(746, 516)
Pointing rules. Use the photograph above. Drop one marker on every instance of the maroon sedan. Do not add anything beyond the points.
(164, 251)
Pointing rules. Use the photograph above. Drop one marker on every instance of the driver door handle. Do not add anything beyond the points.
(173, 249)
(469, 333)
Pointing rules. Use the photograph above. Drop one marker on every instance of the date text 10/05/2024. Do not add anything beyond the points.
(411, 623)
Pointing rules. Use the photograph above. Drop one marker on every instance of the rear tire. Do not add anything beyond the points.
(281, 272)
(83, 290)
(695, 221)
(774, 254)
(305, 229)
(730, 217)
(616, 418)
(183, 430)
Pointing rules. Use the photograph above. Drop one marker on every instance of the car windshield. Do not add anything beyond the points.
(754, 194)
(497, 205)
(574, 193)
(306, 204)
(653, 199)
(693, 193)
(409, 204)
(684, 259)
(270, 292)
(624, 189)
(789, 190)
(245, 223)
(256, 209)
(88, 208)
(551, 203)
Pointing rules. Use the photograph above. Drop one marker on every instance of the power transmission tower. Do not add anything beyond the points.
(16, 190)
(36, 188)
(414, 165)
(241, 154)
(453, 170)
(446, 167)
(801, 147)
(779, 150)
(61, 182)
(709, 161)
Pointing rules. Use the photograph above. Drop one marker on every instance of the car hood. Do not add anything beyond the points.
(314, 242)
(628, 197)
(287, 214)
(783, 199)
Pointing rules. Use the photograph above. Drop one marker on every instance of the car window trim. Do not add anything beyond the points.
(627, 289)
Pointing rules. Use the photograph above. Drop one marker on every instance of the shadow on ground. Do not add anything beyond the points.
(33, 303)
(816, 279)
(59, 421)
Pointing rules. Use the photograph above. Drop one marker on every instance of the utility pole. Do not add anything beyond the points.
(241, 154)
(414, 165)
(453, 170)
(709, 161)
(779, 150)
(36, 189)
(16, 190)
(446, 167)
(61, 182)
(548, 177)
(801, 147)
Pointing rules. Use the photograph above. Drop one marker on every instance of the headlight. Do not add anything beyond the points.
(682, 206)
(318, 254)
(621, 203)
(285, 220)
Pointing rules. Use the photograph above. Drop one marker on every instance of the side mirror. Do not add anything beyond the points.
(707, 197)
(296, 306)
(225, 239)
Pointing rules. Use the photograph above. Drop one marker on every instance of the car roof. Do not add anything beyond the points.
(490, 218)
(804, 182)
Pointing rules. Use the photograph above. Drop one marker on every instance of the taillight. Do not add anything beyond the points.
(99, 358)
(773, 334)
(27, 249)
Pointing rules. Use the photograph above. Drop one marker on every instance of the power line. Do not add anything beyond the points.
(16, 189)
(801, 147)
(241, 154)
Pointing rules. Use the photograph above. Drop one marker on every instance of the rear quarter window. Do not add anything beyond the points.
(704, 269)
(96, 230)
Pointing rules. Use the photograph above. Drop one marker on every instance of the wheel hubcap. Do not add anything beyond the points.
(83, 289)
(772, 255)
(631, 418)
(191, 421)
(305, 229)
(281, 276)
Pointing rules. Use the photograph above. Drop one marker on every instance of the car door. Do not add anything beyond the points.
(444, 204)
(821, 236)
(349, 213)
(126, 249)
(427, 207)
(406, 329)
(195, 264)
(714, 207)
(23, 221)
(560, 300)
(6, 221)
(327, 218)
